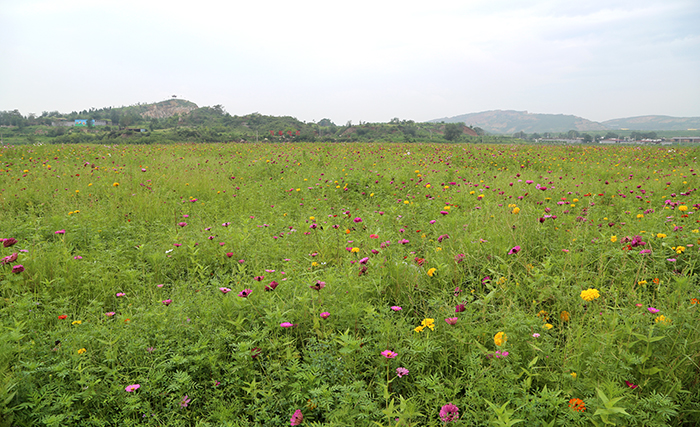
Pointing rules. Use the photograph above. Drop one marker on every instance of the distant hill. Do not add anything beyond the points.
(510, 121)
(654, 123)
(160, 110)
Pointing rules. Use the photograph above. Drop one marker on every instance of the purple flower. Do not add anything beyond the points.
(132, 387)
(297, 418)
(185, 401)
(514, 250)
(389, 354)
(459, 308)
(60, 232)
(653, 310)
(9, 242)
(244, 293)
(18, 268)
(400, 372)
(451, 320)
(167, 302)
(449, 413)
(325, 315)
(287, 325)
(225, 290)
(396, 308)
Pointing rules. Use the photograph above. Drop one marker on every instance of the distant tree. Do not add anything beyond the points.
(326, 122)
(479, 131)
(535, 136)
(572, 134)
(453, 131)
(521, 135)
(587, 138)
(611, 135)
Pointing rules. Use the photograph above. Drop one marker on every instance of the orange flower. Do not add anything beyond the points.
(577, 405)
(656, 280)
(564, 316)
(695, 301)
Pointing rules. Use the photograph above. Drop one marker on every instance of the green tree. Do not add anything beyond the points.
(453, 131)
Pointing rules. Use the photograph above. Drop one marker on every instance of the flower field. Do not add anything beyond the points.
(349, 284)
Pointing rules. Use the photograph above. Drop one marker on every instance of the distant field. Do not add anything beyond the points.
(359, 284)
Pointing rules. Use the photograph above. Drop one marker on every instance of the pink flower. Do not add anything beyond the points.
(225, 290)
(325, 315)
(244, 293)
(630, 385)
(110, 314)
(18, 268)
(373, 236)
(444, 212)
(653, 310)
(357, 220)
(9, 242)
(459, 308)
(514, 250)
(272, 286)
(389, 354)
(364, 260)
(449, 413)
(318, 286)
(287, 325)
(400, 372)
(159, 285)
(121, 294)
(396, 308)
(297, 418)
(8, 259)
(258, 278)
(182, 224)
(229, 254)
(60, 232)
(132, 387)
(451, 320)
(167, 302)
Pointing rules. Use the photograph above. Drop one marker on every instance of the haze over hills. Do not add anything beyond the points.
(511, 121)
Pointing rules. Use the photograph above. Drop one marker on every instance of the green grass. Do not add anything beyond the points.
(291, 213)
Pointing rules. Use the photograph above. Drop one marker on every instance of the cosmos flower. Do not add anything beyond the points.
(389, 354)
(449, 413)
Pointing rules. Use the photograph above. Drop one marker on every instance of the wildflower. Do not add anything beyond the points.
(258, 278)
(17, 268)
(8, 259)
(660, 235)
(325, 315)
(451, 320)
(82, 350)
(642, 282)
(514, 250)
(683, 208)
(229, 254)
(272, 286)
(590, 294)
(695, 301)
(459, 308)
(449, 413)
(255, 352)
(459, 258)
(225, 290)
(548, 326)
(110, 313)
(244, 293)
(62, 316)
(396, 308)
(132, 387)
(364, 260)
(500, 338)
(167, 302)
(653, 310)
(577, 405)
(432, 271)
(60, 232)
(297, 418)
(401, 372)
(389, 354)
(543, 314)
(9, 242)
(516, 210)
(77, 257)
(574, 375)
(287, 325)
(564, 316)
(419, 328)
(535, 335)
(182, 224)
(630, 385)
(663, 319)
(357, 220)
(77, 322)
(120, 294)
(185, 401)
(318, 286)
(116, 184)
(428, 323)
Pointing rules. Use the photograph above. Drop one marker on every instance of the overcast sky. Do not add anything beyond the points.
(361, 60)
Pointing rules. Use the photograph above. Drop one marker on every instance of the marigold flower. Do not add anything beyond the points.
(428, 323)
(564, 316)
(577, 405)
(432, 271)
(77, 322)
(548, 326)
(613, 239)
(516, 210)
(663, 319)
(500, 338)
(82, 350)
(574, 375)
(419, 328)
(590, 294)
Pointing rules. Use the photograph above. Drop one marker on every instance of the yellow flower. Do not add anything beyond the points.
(77, 322)
(613, 239)
(516, 210)
(428, 323)
(419, 328)
(543, 314)
(683, 208)
(548, 326)
(573, 375)
(590, 294)
(660, 235)
(314, 264)
(312, 218)
(642, 282)
(432, 271)
(663, 319)
(355, 250)
(116, 184)
(500, 338)
(640, 216)
(565, 316)
(405, 202)
(81, 351)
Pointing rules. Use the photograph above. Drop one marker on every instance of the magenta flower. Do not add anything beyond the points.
(318, 286)
(389, 354)
(459, 258)
(77, 257)
(451, 320)
(120, 294)
(185, 401)
(9, 242)
(182, 224)
(297, 418)
(225, 290)
(449, 413)
(325, 315)
(287, 325)
(258, 278)
(357, 220)
(177, 245)
(244, 293)
(18, 268)
(459, 308)
(364, 260)
(645, 251)
(400, 372)
(132, 387)
(60, 232)
(653, 310)
(8, 259)
(404, 241)
(167, 302)
(229, 254)
(630, 385)
(272, 286)
(396, 308)
(514, 250)
(110, 313)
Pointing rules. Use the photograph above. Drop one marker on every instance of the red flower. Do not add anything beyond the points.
(63, 316)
